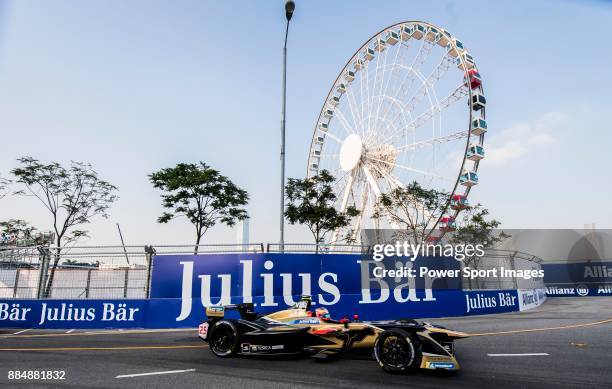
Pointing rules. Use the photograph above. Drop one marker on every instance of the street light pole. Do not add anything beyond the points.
(289, 8)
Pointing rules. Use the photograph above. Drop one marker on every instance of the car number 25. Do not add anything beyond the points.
(203, 330)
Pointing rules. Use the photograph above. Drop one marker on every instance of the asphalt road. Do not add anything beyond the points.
(570, 337)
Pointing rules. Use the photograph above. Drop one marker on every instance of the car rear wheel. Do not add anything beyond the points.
(224, 339)
(397, 351)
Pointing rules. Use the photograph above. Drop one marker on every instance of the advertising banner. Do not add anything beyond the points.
(345, 284)
(183, 285)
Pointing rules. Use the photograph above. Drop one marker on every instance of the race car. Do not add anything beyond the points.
(397, 345)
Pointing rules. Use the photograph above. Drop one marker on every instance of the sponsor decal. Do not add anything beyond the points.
(43, 313)
(440, 365)
(530, 298)
(582, 290)
(597, 271)
(306, 321)
(604, 289)
(487, 301)
(257, 348)
(203, 330)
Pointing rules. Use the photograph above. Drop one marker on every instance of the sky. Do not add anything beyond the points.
(135, 86)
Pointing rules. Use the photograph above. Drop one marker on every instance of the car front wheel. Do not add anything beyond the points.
(224, 339)
(397, 351)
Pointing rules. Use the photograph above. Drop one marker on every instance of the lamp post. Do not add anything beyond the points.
(289, 8)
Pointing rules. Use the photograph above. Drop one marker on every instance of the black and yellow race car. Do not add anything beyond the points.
(397, 345)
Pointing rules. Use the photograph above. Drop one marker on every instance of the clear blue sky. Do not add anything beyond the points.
(134, 86)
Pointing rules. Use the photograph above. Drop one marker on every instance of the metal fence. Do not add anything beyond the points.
(124, 272)
(510, 261)
(82, 272)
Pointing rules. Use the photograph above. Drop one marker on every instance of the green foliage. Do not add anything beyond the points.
(413, 209)
(311, 202)
(4, 184)
(201, 194)
(18, 227)
(474, 228)
(73, 195)
(16, 232)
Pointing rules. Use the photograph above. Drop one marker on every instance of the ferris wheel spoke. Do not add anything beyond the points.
(422, 55)
(342, 119)
(429, 82)
(345, 197)
(386, 86)
(332, 136)
(355, 113)
(455, 96)
(408, 168)
(434, 141)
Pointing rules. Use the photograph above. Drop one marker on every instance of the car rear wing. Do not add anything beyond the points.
(245, 310)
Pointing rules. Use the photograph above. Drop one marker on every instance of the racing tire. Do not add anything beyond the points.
(397, 351)
(224, 339)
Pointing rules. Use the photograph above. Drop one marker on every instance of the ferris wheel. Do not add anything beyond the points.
(408, 106)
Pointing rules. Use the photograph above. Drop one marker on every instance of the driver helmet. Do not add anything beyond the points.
(323, 314)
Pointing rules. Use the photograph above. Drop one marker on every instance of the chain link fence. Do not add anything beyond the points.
(96, 272)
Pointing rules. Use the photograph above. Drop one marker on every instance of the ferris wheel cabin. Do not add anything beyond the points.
(455, 48)
(466, 59)
(468, 178)
(447, 224)
(392, 38)
(432, 239)
(479, 126)
(475, 80)
(328, 113)
(380, 45)
(478, 101)
(432, 34)
(341, 88)
(475, 152)
(459, 202)
(405, 32)
(349, 76)
(443, 38)
(368, 54)
(418, 31)
(323, 127)
(359, 64)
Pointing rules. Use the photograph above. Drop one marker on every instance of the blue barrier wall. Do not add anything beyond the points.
(183, 285)
(578, 279)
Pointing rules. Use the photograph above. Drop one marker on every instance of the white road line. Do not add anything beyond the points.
(155, 373)
(518, 355)
(21, 332)
(70, 331)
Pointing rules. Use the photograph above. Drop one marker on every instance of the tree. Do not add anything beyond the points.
(311, 203)
(474, 228)
(202, 195)
(412, 209)
(73, 196)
